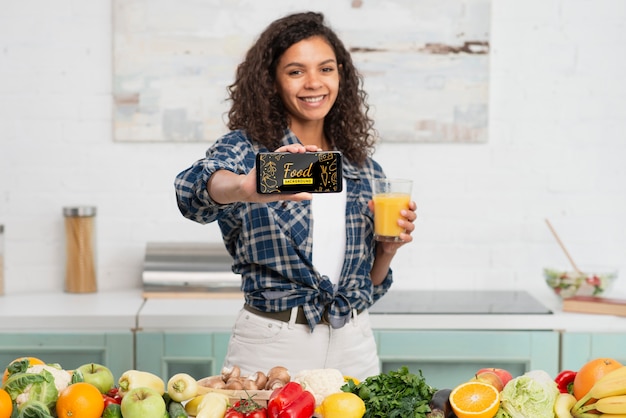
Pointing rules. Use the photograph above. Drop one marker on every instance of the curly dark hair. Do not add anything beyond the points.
(264, 117)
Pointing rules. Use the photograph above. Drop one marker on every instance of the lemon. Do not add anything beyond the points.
(349, 378)
(342, 405)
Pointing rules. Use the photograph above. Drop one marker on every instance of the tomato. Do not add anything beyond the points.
(246, 408)
(259, 413)
(233, 413)
(110, 399)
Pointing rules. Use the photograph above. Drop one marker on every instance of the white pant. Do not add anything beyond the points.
(258, 344)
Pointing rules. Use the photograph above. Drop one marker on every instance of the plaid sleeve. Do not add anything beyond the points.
(232, 152)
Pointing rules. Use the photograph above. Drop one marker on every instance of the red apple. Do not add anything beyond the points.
(490, 378)
(503, 374)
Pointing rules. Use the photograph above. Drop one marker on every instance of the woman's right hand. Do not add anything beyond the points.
(224, 186)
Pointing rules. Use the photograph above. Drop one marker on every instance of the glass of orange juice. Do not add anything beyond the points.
(390, 197)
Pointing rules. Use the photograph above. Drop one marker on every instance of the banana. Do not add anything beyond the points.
(563, 405)
(612, 404)
(611, 384)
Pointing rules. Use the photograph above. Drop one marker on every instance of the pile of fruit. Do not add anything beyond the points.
(34, 389)
(597, 390)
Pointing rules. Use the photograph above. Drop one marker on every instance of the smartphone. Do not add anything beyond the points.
(286, 172)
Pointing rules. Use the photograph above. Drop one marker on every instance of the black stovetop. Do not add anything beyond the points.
(458, 302)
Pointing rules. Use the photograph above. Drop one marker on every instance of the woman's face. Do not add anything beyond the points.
(307, 79)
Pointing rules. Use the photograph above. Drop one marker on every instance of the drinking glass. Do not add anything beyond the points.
(390, 197)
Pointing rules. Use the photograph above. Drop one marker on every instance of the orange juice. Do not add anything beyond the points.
(387, 207)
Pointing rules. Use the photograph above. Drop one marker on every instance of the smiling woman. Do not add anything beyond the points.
(297, 91)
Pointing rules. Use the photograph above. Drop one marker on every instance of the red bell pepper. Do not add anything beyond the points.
(291, 401)
(565, 381)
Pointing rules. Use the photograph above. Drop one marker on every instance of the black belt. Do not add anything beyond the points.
(285, 316)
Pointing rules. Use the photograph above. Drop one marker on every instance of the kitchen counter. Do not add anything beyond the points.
(101, 311)
(128, 310)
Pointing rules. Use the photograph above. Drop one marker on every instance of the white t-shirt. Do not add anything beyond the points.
(329, 233)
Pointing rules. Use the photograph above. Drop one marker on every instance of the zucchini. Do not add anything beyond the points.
(176, 410)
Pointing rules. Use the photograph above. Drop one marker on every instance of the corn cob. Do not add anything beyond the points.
(612, 404)
(563, 405)
(611, 384)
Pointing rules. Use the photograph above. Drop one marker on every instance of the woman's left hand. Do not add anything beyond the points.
(406, 222)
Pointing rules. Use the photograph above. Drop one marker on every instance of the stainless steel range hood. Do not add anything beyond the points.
(188, 267)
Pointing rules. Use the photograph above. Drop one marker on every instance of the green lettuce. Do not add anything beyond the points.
(34, 409)
(531, 395)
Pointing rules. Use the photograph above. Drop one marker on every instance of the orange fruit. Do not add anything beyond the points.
(591, 371)
(33, 361)
(475, 399)
(6, 405)
(80, 400)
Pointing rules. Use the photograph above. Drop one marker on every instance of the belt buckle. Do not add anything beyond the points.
(324, 320)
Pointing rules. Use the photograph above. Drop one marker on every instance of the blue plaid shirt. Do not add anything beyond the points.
(271, 243)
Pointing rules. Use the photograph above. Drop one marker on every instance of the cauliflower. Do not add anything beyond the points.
(320, 382)
(61, 380)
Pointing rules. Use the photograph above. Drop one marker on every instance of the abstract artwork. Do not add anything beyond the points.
(425, 64)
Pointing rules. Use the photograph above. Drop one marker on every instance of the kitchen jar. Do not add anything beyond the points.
(80, 268)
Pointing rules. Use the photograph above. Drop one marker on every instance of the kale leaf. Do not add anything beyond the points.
(396, 394)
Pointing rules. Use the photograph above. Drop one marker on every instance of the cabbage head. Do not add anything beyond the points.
(532, 394)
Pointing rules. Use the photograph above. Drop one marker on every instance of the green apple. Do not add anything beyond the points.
(98, 375)
(143, 402)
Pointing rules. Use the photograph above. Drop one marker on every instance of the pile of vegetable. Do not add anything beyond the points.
(598, 389)
(396, 394)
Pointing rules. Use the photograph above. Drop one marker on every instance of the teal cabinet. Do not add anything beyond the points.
(580, 347)
(199, 354)
(447, 358)
(71, 350)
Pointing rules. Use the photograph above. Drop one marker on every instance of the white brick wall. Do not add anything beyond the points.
(557, 149)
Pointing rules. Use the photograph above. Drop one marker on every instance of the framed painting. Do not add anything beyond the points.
(425, 64)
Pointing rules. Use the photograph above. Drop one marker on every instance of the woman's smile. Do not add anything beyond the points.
(315, 99)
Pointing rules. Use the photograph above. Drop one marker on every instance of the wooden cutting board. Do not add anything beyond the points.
(259, 396)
